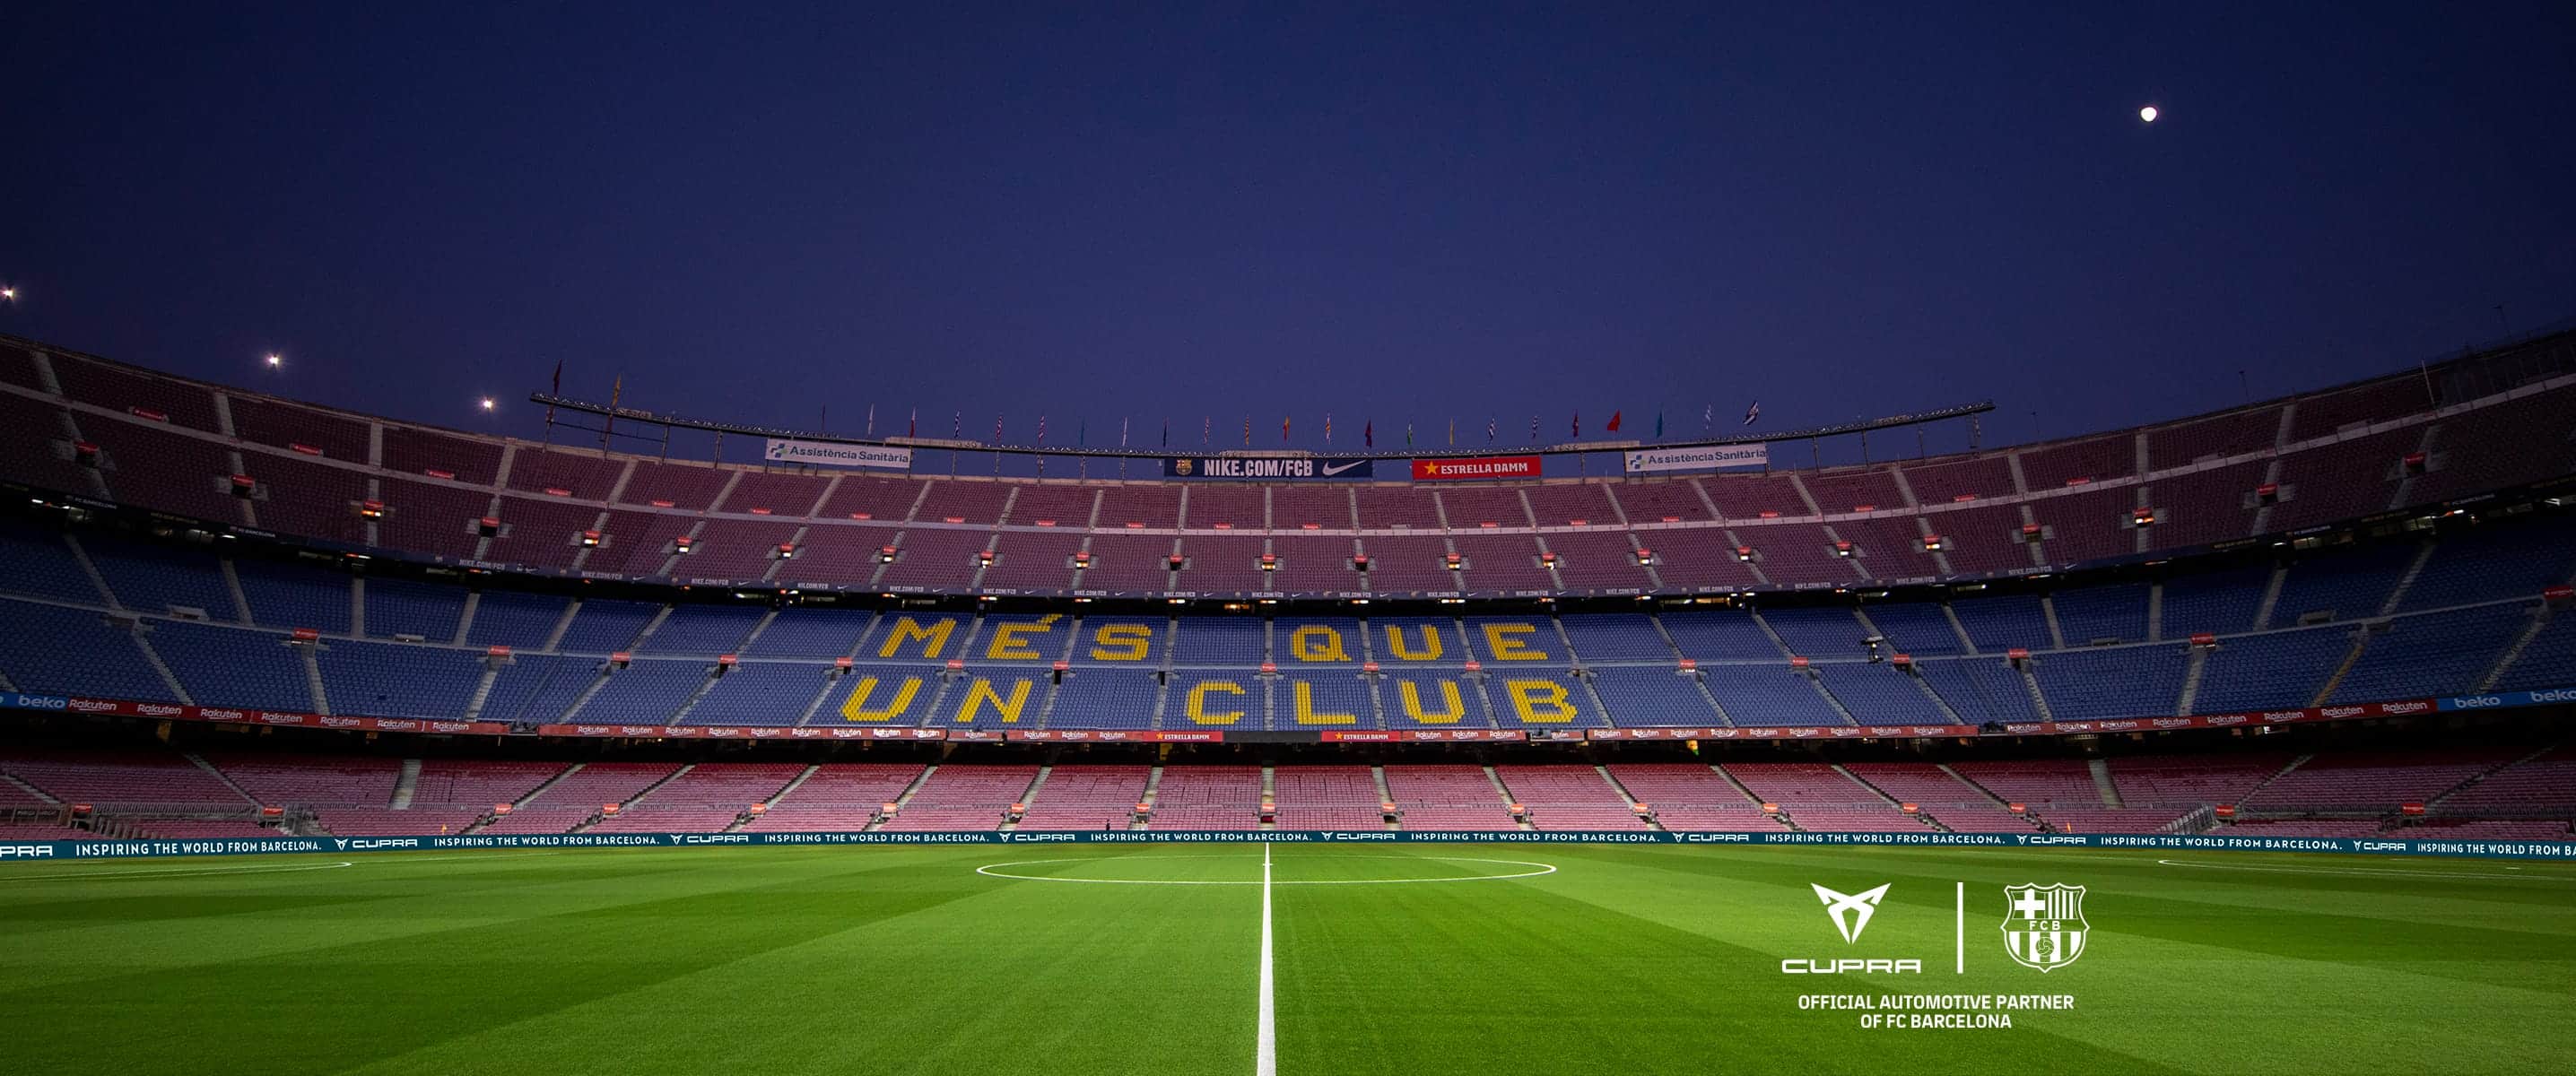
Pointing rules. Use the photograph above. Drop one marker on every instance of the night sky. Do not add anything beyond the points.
(1383, 211)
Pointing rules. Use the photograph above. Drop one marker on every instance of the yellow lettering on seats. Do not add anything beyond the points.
(1317, 642)
(1007, 645)
(1452, 707)
(979, 691)
(1540, 701)
(1504, 641)
(855, 708)
(1122, 642)
(1304, 693)
(1197, 702)
(934, 636)
(1430, 643)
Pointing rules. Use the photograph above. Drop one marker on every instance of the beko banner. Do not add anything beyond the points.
(1696, 459)
(834, 454)
(1264, 468)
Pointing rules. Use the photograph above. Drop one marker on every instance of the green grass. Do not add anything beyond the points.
(1627, 959)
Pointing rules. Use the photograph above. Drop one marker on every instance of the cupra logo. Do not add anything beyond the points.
(1850, 911)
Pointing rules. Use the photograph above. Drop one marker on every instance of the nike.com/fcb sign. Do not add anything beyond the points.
(831, 454)
(1263, 468)
(1643, 460)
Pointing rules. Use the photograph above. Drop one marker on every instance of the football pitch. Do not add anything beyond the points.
(1413, 959)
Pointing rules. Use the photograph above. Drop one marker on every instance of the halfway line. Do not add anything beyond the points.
(1265, 1040)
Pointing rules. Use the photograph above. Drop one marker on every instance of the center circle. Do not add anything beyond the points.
(1531, 870)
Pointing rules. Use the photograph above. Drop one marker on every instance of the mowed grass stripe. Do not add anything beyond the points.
(1034, 976)
(902, 960)
(1604, 967)
(2267, 986)
(386, 898)
(333, 1000)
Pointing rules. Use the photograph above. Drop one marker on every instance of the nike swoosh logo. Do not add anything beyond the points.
(1330, 470)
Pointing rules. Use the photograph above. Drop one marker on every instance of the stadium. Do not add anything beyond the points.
(2037, 546)
(2333, 623)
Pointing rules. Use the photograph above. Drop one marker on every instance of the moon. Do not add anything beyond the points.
(2147, 114)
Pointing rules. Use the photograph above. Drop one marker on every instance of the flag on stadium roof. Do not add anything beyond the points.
(912, 424)
(1753, 412)
(1613, 425)
(1368, 434)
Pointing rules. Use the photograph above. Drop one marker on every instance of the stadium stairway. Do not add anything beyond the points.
(10, 780)
(2038, 698)
(152, 658)
(2513, 651)
(630, 801)
(2276, 775)
(1501, 790)
(1029, 796)
(801, 777)
(1924, 816)
(406, 782)
(2352, 657)
(2480, 777)
(1981, 789)
(313, 678)
(200, 762)
(1153, 789)
(2102, 781)
(2194, 663)
(909, 791)
(1631, 797)
(531, 795)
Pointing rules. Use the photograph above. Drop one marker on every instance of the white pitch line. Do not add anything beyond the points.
(2367, 872)
(186, 873)
(1959, 946)
(1265, 1041)
(994, 870)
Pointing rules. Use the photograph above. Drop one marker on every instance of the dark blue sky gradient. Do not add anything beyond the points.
(1379, 211)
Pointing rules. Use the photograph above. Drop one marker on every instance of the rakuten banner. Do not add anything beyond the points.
(1698, 459)
(834, 454)
(1474, 468)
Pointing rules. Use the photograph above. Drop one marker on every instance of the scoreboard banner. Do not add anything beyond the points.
(1266, 468)
(1477, 468)
(1645, 460)
(50, 851)
(836, 454)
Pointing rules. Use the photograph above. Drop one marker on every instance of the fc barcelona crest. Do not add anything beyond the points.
(2044, 925)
